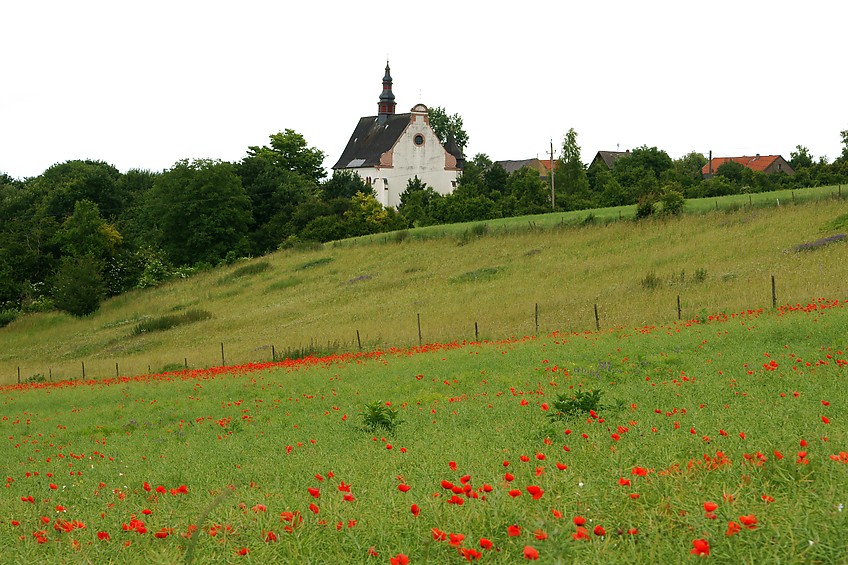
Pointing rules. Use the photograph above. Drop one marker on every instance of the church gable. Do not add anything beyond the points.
(388, 150)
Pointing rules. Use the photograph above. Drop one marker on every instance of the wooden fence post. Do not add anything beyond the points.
(476, 333)
(420, 342)
(678, 308)
(773, 294)
(537, 318)
(19, 375)
(116, 369)
(358, 341)
(223, 361)
(597, 319)
(83, 369)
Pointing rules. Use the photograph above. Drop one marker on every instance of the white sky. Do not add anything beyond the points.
(143, 84)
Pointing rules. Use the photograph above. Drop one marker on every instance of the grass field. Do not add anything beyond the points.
(490, 274)
(725, 436)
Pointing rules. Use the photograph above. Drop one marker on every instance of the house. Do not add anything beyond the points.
(767, 164)
(389, 149)
(537, 165)
(608, 158)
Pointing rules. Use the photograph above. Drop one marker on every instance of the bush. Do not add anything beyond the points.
(672, 202)
(645, 206)
(583, 402)
(380, 416)
(8, 316)
(651, 281)
(167, 322)
(78, 286)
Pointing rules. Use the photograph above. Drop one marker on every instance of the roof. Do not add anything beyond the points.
(610, 157)
(370, 139)
(514, 165)
(755, 163)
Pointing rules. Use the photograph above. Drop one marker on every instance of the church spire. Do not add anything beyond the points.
(386, 105)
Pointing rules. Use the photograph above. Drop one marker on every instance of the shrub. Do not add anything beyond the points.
(485, 273)
(700, 275)
(245, 271)
(8, 316)
(651, 281)
(167, 322)
(645, 206)
(672, 201)
(78, 286)
(583, 402)
(314, 263)
(380, 416)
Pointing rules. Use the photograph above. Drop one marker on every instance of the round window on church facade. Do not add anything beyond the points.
(418, 139)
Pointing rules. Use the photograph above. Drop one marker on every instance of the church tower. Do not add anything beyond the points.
(386, 105)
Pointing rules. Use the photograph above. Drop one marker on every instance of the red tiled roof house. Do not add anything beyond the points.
(767, 164)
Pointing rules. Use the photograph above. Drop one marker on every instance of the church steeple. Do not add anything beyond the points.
(386, 105)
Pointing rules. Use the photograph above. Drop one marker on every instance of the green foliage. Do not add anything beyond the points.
(8, 315)
(800, 158)
(446, 126)
(838, 223)
(314, 263)
(380, 417)
(202, 212)
(651, 281)
(581, 404)
(478, 275)
(78, 286)
(570, 180)
(672, 200)
(646, 206)
(731, 170)
(345, 184)
(700, 275)
(246, 271)
(163, 323)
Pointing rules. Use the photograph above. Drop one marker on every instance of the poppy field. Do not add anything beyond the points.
(721, 438)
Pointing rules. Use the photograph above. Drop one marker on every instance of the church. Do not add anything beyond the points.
(389, 149)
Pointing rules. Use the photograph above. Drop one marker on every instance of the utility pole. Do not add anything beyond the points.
(553, 194)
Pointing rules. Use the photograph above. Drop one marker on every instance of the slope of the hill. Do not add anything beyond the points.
(633, 271)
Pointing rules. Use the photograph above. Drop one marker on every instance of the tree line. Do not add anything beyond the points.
(82, 230)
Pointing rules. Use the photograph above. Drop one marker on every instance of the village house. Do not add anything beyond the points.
(768, 164)
(389, 149)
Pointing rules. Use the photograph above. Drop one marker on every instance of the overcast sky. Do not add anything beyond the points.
(144, 84)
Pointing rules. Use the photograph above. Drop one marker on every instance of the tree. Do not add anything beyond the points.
(202, 212)
(78, 286)
(800, 158)
(63, 184)
(416, 203)
(844, 157)
(732, 171)
(446, 126)
(278, 179)
(687, 169)
(570, 180)
(344, 184)
(86, 233)
(530, 192)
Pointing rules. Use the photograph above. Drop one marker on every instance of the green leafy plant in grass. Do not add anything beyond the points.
(379, 416)
(162, 323)
(314, 263)
(483, 274)
(582, 403)
(651, 281)
(245, 271)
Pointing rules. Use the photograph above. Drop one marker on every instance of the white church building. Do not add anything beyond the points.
(387, 150)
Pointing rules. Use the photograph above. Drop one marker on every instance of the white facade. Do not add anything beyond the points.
(417, 152)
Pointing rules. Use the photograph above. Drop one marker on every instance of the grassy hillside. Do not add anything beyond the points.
(494, 276)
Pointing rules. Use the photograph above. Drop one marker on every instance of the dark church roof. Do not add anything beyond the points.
(371, 139)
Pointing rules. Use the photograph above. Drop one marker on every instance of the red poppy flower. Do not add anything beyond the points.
(540, 535)
(415, 510)
(404, 487)
(561, 466)
(509, 477)
(702, 547)
(452, 465)
(556, 513)
(579, 521)
(270, 536)
(710, 506)
(530, 553)
(732, 528)
(485, 543)
(581, 533)
(447, 484)
(372, 551)
(535, 492)
(314, 492)
(455, 539)
(514, 493)
(438, 535)
(243, 551)
(103, 536)
(399, 559)
(599, 531)
(513, 530)
(624, 482)
(749, 521)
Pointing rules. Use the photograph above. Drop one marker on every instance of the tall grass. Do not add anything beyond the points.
(306, 296)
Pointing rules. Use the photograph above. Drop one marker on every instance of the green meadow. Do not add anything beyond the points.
(495, 276)
(515, 426)
(725, 436)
